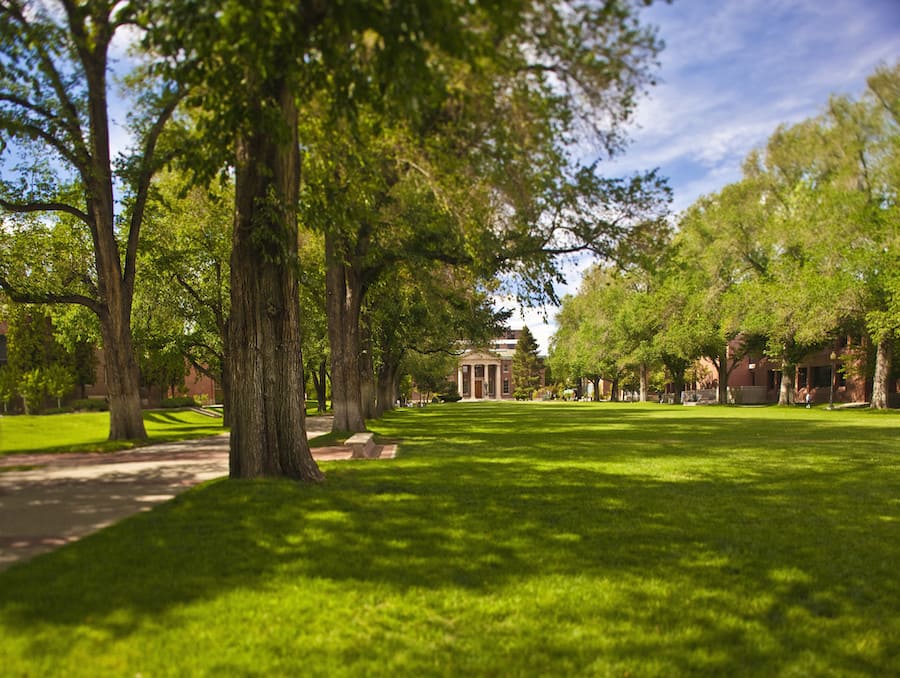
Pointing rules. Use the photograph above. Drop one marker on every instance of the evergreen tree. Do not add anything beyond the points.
(526, 366)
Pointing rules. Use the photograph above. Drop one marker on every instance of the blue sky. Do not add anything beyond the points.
(731, 72)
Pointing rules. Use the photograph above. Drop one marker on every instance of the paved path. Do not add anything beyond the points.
(71, 495)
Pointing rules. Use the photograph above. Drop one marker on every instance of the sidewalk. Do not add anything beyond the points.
(68, 496)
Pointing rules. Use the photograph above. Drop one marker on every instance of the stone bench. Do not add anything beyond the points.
(363, 445)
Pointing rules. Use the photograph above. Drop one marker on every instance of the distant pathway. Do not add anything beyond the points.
(71, 495)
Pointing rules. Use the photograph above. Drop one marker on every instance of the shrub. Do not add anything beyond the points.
(90, 405)
(32, 389)
(186, 401)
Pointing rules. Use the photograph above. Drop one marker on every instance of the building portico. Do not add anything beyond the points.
(483, 376)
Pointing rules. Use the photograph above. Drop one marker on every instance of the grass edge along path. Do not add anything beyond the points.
(507, 539)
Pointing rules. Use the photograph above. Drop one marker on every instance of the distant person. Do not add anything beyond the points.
(808, 399)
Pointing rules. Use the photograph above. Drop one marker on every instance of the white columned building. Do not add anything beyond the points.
(484, 375)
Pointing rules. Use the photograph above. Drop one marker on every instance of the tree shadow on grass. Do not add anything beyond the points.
(494, 525)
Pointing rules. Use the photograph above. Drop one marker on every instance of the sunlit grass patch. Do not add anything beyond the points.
(88, 431)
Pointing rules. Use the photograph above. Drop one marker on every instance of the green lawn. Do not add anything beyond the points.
(87, 431)
(556, 539)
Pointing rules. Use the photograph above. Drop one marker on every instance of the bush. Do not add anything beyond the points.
(90, 405)
(65, 409)
(32, 389)
(186, 401)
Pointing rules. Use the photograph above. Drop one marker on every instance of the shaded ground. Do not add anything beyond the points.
(56, 499)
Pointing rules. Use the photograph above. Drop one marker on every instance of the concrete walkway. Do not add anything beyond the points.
(68, 496)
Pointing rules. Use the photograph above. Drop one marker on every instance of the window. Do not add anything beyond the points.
(821, 376)
(506, 387)
(465, 380)
(802, 373)
(774, 380)
(3, 353)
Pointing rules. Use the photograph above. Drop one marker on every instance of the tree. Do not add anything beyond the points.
(597, 340)
(185, 255)
(486, 151)
(31, 342)
(715, 253)
(358, 51)
(526, 366)
(429, 371)
(32, 388)
(249, 120)
(54, 117)
(58, 382)
(862, 140)
(8, 381)
(314, 325)
(426, 312)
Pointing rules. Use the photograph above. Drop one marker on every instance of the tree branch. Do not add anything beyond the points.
(145, 175)
(39, 206)
(48, 297)
(71, 119)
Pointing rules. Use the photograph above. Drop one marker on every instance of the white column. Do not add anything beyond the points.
(498, 381)
(459, 381)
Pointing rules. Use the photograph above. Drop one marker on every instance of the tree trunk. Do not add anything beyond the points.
(226, 396)
(786, 391)
(268, 436)
(319, 377)
(645, 382)
(388, 375)
(721, 363)
(343, 299)
(126, 421)
(884, 354)
(614, 390)
(678, 386)
(367, 389)
(596, 382)
(115, 287)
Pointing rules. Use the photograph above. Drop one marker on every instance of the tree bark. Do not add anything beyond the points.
(614, 391)
(884, 354)
(387, 383)
(723, 372)
(115, 287)
(786, 390)
(319, 376)
(678, 387)
(595, 380)
(367, 388)
(343, 299)
(126, 421)
(645, 382)
(268, 436)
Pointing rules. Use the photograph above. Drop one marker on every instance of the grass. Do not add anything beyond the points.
(507, 539)
(87, 431)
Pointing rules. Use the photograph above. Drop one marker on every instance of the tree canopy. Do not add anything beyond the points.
(800, 252)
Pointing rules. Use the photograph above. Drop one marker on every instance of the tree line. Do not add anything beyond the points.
(803, 250)
(335, 184)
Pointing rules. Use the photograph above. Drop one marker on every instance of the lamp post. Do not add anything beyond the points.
(833, 357)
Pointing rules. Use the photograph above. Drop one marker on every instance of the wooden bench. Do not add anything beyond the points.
(363, 445)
